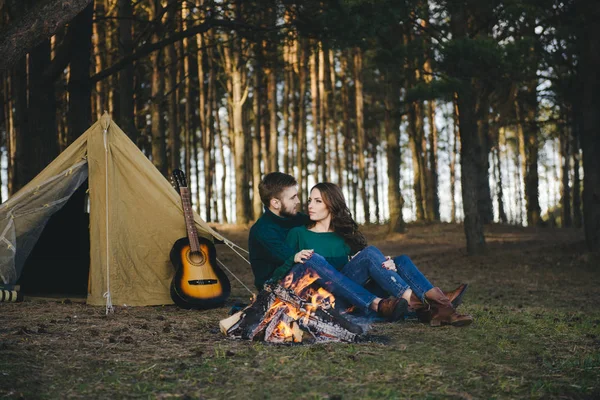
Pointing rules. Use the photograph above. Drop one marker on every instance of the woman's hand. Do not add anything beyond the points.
(303, 255)
(389, 264)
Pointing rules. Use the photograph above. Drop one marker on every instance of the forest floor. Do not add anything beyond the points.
(534, 297)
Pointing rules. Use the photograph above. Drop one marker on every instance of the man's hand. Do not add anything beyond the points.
(303, 255)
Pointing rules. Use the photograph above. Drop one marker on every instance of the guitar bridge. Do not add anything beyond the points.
(203, 282)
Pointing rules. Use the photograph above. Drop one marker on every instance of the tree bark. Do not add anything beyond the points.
(38, 24)
(393, 153)
(360, 131)
(40, 144)
(590, 91)
(80, 88)
(470, 150)
(126, 83)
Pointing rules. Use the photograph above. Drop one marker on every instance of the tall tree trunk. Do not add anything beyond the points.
(80, 89)
(158, 125)
(565, 189)
(18, 91)
(41, 141)
(590, 104)
(301, 129)
(577, 216)
(333, 119)
(484, 195)
(172, 107)
(360, 130)
(126, 83)
(455, 139)
(256, 138)
(285, 109)
(209, 142)
(528, 144)
(432, 190)
(500, 186)
(323, 150)
(314, 96)
(271, 76)
(393, 153)
(238, 97)
(99, 40)
(345, 121)
(470, 149)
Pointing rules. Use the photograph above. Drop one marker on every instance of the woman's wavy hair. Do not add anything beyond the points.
(342, 222)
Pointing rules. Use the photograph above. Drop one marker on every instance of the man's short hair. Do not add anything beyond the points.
(273, 184)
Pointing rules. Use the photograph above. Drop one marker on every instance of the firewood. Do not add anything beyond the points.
(297, 332)
(229, 324)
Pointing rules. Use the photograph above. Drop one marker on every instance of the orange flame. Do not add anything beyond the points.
(316, 298)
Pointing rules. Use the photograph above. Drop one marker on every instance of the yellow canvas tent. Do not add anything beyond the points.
(135, 217)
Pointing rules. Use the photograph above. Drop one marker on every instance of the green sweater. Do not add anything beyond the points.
(267, 247)
(329, 245)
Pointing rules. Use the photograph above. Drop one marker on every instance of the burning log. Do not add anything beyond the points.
(283, 314)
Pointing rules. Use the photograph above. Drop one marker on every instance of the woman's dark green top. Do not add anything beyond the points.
(327, 244)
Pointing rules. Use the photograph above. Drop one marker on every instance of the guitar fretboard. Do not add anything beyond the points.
(189, 219)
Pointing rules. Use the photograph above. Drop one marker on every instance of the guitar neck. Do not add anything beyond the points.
(189, 219)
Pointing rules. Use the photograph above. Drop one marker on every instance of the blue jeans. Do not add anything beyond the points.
(337, 283)
(367, 265)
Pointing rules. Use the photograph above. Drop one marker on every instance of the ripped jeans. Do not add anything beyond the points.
(366, 265)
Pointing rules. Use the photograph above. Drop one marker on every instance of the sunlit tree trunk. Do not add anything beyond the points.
(333, 121)
(360, 130)
(455, 140)
(484, 195)
(256, 136)
(577, 216)
(314, 106)
(346, 127)
(271, 77)
(99, 40)
(393, 154)
(499, 184)
(126, 84)
(565, 169)
(301, 156)
(158, 125)
(238, 97)
(323, 149)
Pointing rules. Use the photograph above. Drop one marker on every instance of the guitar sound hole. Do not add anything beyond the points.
(196, 257)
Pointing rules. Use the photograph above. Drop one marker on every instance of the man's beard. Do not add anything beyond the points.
(287, 212)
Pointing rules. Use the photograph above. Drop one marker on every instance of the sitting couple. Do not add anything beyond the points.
(328, 241)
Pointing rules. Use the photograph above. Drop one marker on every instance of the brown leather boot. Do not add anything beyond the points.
(422, 310)
(455, 296)
(442, 312)
(392, 308)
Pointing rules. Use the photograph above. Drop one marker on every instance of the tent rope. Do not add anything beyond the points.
(107, 296)
(232, 246)
(238, 279)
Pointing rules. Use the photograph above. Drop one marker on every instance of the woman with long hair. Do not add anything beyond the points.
(333, 234)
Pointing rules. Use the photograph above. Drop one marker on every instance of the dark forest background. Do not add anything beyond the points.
(489, 110)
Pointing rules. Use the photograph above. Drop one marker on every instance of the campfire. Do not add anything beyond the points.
(297, 310)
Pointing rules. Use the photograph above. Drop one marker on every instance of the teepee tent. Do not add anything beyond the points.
(135, 217)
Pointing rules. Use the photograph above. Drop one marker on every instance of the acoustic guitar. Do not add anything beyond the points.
(198, 281)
